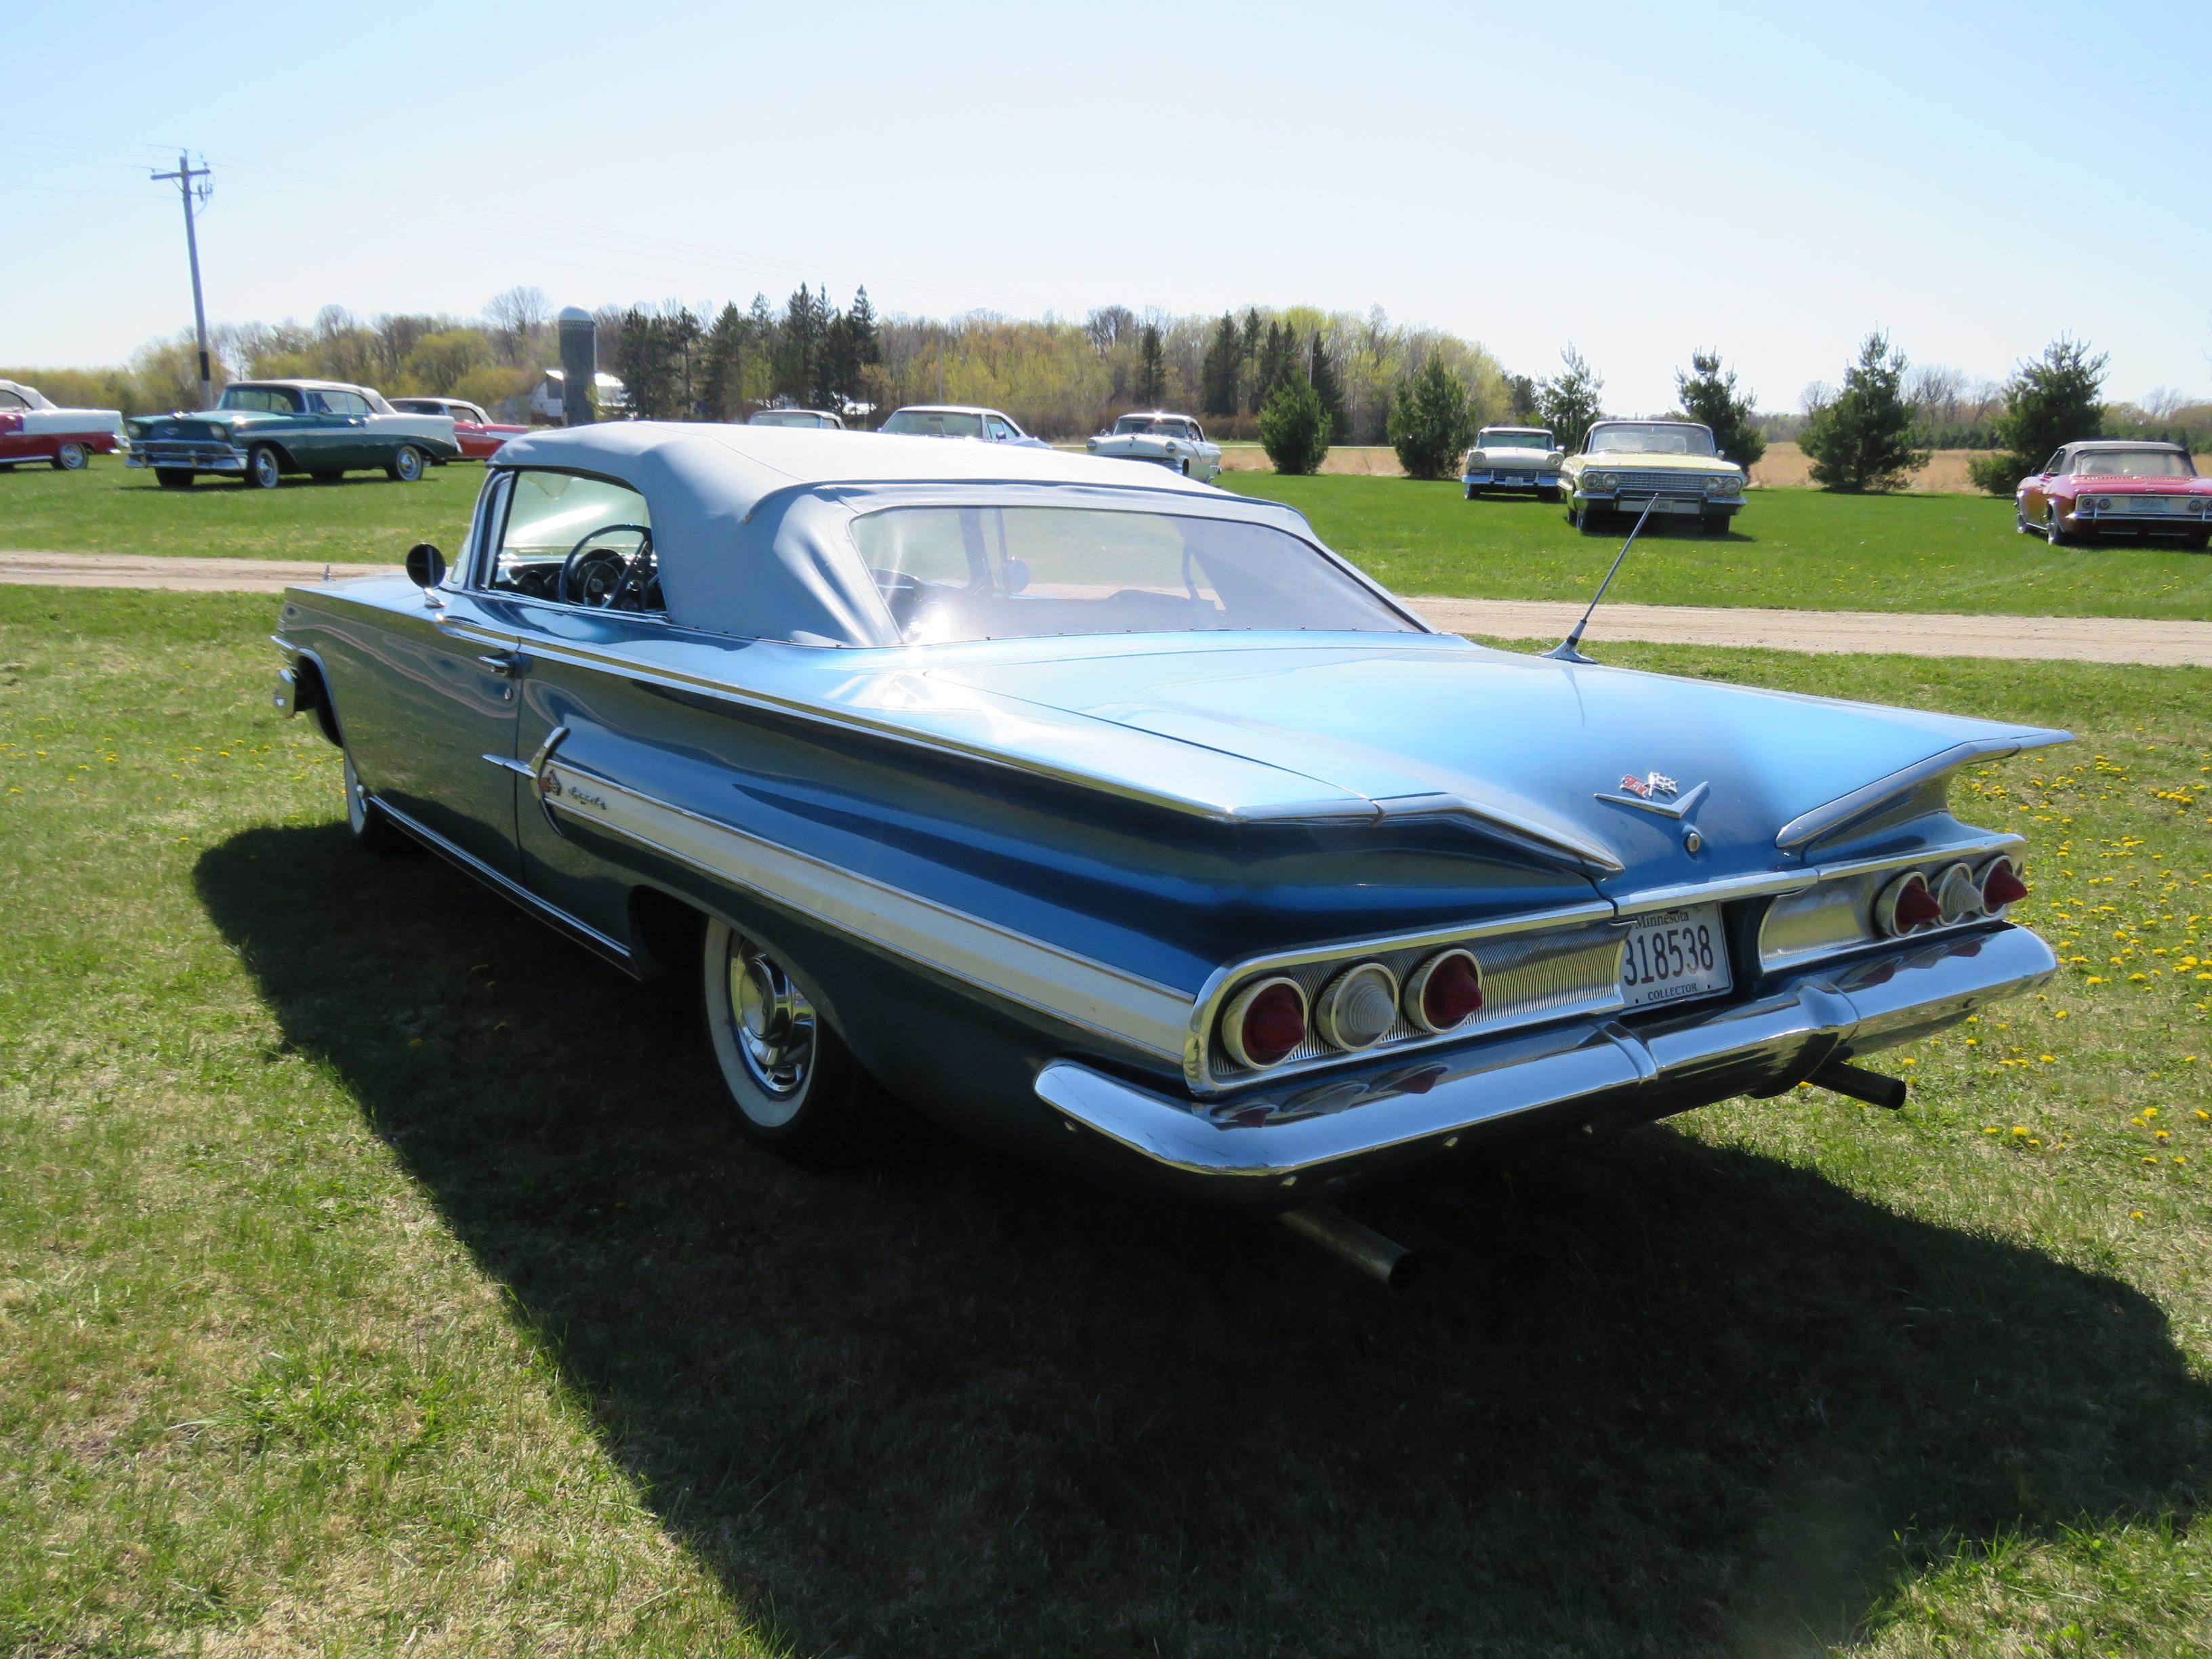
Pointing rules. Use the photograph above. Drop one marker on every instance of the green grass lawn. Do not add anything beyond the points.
(1797, 549)
(377, 1272)
(110, 508)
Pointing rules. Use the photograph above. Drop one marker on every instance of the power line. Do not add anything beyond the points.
(194, 182)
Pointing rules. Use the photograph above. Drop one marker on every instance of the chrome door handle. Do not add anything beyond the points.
(505, 664)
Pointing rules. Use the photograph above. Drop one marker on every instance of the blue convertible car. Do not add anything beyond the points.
(1111, 817)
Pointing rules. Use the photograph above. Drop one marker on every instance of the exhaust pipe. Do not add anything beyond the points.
(1872, 1087)
(1379, 1258)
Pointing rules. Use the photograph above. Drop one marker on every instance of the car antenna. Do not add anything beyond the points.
(1569, 649)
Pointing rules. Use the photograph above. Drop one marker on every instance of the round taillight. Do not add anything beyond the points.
(1264, 1022)
(1356, 1009)
(2001, 885)
(1906, 906)
(1958, 895)
(1443, 991)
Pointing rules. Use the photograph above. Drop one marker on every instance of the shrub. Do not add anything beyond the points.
(1709, 394)
(1431, 424)
(1294, 428)
(1862, 437)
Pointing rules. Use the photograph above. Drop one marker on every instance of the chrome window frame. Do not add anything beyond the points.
(477, 584)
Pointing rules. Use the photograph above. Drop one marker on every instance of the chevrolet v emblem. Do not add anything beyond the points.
(1656, 791)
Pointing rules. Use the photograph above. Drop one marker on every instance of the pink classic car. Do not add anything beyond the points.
(2116, 485)
(33, 429)
(478, 434)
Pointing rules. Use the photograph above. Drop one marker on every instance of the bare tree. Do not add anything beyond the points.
(2163, 402)
(516, 317)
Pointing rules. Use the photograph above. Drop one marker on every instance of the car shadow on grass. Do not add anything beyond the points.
(1657, 1398)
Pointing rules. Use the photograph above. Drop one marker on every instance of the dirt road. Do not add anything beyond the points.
(2076, 639)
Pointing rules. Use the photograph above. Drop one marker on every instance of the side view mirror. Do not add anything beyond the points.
(1720, 454)
(426, 566)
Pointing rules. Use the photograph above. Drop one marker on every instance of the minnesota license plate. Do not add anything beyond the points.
(1673, 954)
(1664, 504)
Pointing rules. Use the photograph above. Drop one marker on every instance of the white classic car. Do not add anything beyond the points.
(1514, 458)
(1175, 441)
(31, 429)
(960, 421)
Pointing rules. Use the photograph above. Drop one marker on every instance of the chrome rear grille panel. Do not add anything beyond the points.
(1526, 977)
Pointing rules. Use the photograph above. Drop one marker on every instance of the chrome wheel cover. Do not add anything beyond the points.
(774, 1025)
(356, 799)
(409, 464)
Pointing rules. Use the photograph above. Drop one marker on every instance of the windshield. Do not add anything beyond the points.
(789, 417)
(1650, 438)
(2133, 464)
(936, 423)
(1491, 438)
(1146, 424)
(269, 399)
(951, 574)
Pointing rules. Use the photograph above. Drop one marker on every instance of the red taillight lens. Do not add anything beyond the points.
(1264, 1022)
(1444, 992)
(1906, 906)
(2001, 885)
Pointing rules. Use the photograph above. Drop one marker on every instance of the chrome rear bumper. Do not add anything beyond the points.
(1592, 1075)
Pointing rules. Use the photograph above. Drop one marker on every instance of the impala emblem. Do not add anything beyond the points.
(1652, 785)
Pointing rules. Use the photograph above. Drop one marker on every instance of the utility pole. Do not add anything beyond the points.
(186, 174)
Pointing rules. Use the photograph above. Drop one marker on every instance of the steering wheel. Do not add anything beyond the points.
(599, 577)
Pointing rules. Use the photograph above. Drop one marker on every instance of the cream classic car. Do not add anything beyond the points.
(1673, 465)
(1175, 441)
(1514, 458)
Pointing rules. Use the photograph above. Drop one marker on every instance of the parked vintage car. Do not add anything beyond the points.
(32, 428)
(477, 434)
(960, 421)
(1515, 457)
(2116, 485)
(1112, 818)
(1673, 465)
(260, 430)
(819, 420)
(1175, 441)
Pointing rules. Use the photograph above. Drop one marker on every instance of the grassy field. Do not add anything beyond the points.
(109, 508)
(1798, 549)
(378, 1274)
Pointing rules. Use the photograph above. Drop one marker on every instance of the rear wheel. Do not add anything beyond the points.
(1471, 492)
(70, 457)
(2197, 540)
(262, 469)
(173, 477)
(1586, 519)
(406, 465)
(794, 1086)
(2020, 518)
(2053, 531)
(372, 831)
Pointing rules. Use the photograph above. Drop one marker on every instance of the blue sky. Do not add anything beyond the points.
(1640, 180)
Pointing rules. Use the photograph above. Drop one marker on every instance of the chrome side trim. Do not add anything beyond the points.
(1072, 988)
(1546, 841)
(507, 888)
(1809, 827)
(1283, 1137)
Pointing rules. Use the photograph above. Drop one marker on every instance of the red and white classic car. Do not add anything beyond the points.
(2115, 484)
(33, 429)
(479, 434)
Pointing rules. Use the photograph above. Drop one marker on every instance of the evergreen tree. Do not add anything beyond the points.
(1151, 366)
(1431, 423)
(1570, 401)
(1861, 438)
(1248, 362)
(1709, 395)
(1278, 355)
(799, 345)
(2055, 400)
(681, 337)
(1294, 428)
(642, 358)
(722, 365)
(1218, 376)
(1520, 401)
(1328, 388)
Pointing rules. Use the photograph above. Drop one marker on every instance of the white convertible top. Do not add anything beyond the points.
(29, 394)
(751, 522)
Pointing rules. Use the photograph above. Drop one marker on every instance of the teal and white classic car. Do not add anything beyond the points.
(262, 429)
